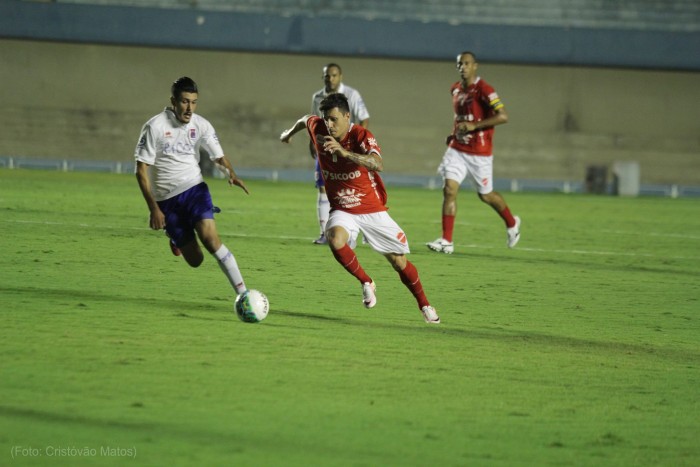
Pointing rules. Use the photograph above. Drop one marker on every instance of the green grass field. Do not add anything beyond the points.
(579, 347)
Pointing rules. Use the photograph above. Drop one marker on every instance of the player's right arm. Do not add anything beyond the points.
(157, 218)
(300, 124)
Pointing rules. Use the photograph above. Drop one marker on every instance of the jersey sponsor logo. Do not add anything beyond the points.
(341, 176)
(349, 198)
(178, 147)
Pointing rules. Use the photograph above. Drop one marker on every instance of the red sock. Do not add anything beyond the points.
(346, 257)
(409, 276)
(507, 217)
(448, 226)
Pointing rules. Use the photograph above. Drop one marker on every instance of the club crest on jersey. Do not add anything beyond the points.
(193, 133)
(349, 198)
(401, 237)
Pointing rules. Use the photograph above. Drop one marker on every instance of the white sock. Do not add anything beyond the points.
(323, 208)
(228, 264)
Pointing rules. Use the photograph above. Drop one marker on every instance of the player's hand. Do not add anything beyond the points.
(157, 219)
(465, 127)
(239, 183)
(332, 146)
(286, 135)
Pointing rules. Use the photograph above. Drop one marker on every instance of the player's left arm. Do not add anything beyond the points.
(226, 167)
(372, 161)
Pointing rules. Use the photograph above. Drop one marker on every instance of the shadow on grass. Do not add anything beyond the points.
(82, 298)
(580, 261)
(510, 337)
(53, 417)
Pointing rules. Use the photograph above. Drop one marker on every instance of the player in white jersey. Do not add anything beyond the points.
(168, 173)
(333, 79)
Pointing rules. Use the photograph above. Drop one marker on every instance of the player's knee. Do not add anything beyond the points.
(195, 261)
(398, 262)
(486, 197)
(335, 242)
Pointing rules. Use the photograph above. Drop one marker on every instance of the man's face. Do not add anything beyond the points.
(332, 78)
(466, 67)
(338, 123)
(184, 106)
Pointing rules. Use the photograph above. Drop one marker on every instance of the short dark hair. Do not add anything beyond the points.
(334, 65)
(337, 99)
(183, 84)
(468, 52)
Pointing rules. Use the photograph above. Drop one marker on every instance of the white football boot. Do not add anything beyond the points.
(430, 315)
(369, 299)
(441, 246)
(514, 233)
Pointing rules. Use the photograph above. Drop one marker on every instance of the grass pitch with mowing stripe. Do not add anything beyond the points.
(578, 347)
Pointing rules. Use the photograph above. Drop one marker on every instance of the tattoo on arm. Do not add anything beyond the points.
(370, 161)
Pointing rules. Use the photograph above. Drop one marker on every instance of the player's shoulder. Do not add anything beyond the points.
(360, 134)
(350, 92)
(360, 130)
(314, 121)
(157, 122)
(198, 119)
(200, 122)
(159, 118)
(484, 85)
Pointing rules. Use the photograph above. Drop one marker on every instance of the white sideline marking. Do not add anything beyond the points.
(459, 245)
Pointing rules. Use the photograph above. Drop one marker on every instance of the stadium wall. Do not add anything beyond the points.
(79, 100)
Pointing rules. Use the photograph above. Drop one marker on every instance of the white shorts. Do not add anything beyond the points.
(381, 231)
(456, 165)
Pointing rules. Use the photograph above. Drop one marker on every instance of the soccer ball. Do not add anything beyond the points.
(251, 306)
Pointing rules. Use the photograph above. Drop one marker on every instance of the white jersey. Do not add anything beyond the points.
(172, 148)
(358, 110)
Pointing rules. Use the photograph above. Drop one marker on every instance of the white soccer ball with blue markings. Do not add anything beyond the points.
(252, 306)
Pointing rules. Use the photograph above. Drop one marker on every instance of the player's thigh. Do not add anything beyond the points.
(347, 222)
(453, 166)
(481, 173)
(383, 234)
(207, 233)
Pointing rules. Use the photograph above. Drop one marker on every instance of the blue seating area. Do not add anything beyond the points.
(656, 15)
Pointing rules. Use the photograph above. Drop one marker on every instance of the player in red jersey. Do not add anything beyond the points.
(477, 109)
(350, 161)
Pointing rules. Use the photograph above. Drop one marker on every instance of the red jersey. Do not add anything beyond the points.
(350, 187)
(475, 103)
